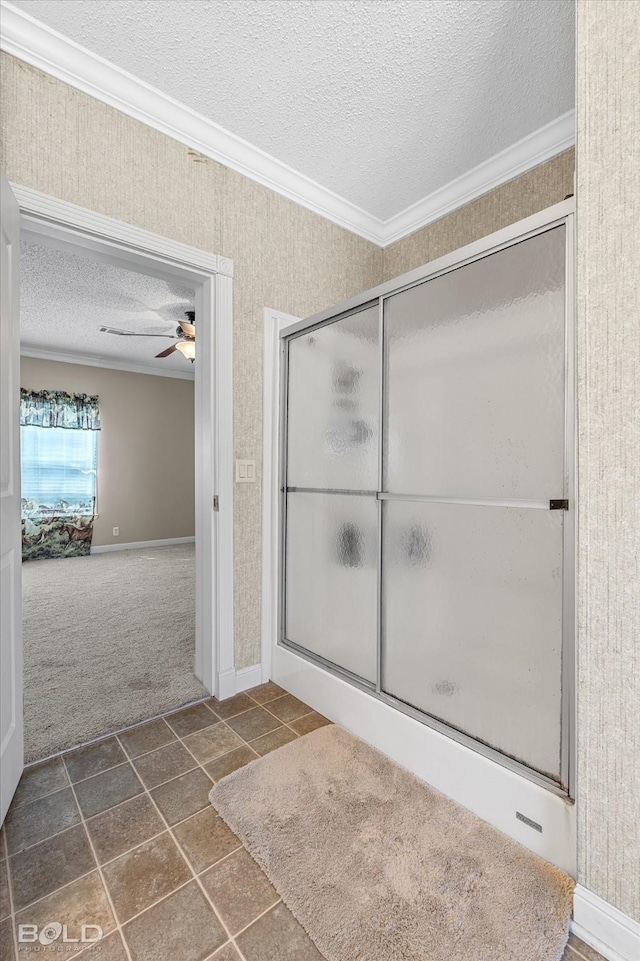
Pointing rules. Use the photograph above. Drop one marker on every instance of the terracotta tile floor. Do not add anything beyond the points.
(120, 834)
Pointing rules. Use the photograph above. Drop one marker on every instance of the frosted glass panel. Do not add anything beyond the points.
(333, 405)
(472, 601)
(331, 578)
(475, 377)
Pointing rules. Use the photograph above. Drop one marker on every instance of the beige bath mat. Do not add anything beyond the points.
(377, 866)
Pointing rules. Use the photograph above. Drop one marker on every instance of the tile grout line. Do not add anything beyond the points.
(196, 877)
(210, 760)
(232, 938)
(138, 724)
(99, 868)
(5, 848)
(166, 830)
(176, 738)
(286, 723)
(62, 887)
(57, 834)
(14, 933)
(159, 784)
(128, 757)
(281, 723)
(242, 847)
(289, 723)
(169, 829)
(133, 847)
(154, 904)
(123, 730)
(71, 786)
(577, 950)
(22, 804)
(152, 837)
(191, 870)
(201, 764)
(93, 817)
(262, 913)
(245, 742)
(130, 761)
(220, 720)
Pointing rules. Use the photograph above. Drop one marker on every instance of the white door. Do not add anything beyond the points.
(11, 727)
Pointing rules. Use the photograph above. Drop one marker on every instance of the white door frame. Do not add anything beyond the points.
(87, 233)
(274, 323)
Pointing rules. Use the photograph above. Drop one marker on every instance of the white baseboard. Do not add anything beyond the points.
(227, 684)
(604, 928)
(134, 545)
(233, 682)
(248, 677)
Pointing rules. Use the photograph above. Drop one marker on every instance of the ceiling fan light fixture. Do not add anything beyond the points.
(187, 348)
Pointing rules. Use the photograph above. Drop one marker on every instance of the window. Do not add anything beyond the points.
(58, 470)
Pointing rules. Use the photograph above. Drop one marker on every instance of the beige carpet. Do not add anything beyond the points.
(109, 640)
(377, 866)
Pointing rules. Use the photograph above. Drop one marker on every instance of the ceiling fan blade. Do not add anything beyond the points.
(131, 333)
(169, 350)
(188, 329)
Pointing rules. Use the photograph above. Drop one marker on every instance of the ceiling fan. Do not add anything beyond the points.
(185, 332)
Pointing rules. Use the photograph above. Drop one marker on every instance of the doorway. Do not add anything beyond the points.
(70, 229)
(108, 495)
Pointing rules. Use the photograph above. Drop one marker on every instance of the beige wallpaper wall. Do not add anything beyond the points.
(608, 289)
(64, 143)
(146, 480)
(534, 190)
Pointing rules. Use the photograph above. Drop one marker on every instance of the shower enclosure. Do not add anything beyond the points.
(427, 501)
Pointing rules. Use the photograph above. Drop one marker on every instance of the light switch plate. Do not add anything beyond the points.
(245, 471)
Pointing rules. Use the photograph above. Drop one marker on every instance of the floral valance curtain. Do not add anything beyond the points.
(56, 408)
(58, 434)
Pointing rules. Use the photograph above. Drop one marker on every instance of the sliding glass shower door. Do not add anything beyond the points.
(425, 494)
(332, 480)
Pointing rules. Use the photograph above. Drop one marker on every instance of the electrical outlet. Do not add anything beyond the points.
(116, 532)
(245, 471)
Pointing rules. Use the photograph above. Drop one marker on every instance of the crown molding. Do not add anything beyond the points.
(85, 360)
(47, 50)
(42, 47)
(543, 144)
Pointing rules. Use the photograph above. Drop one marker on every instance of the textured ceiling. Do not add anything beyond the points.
(381, 101)
(64, 299)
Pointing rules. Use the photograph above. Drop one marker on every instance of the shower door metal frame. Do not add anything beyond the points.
(558, 215)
